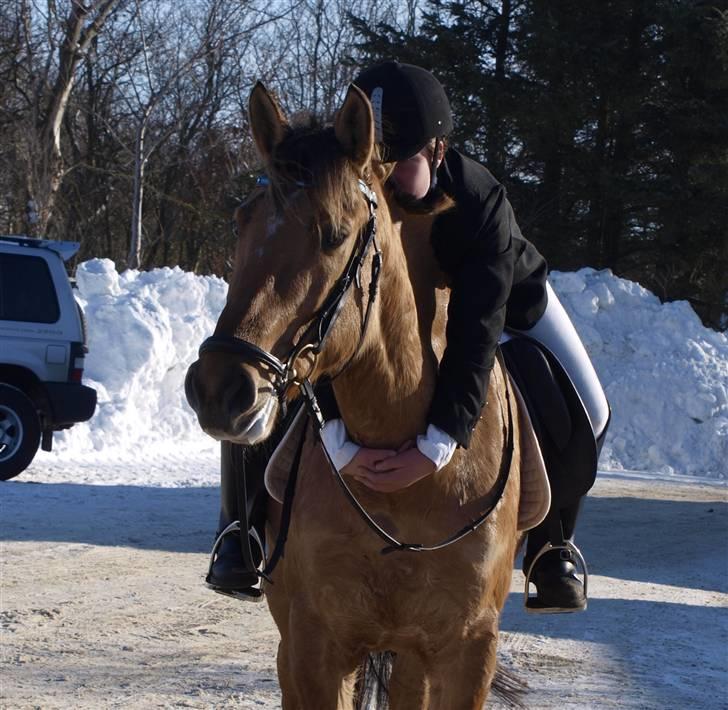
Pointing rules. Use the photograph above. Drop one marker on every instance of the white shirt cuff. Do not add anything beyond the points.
(437, 445)
(340, 449)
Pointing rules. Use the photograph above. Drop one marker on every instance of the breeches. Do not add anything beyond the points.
(556, 332)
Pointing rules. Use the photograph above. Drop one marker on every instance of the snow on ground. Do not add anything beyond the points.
(102, 604)
(665, 374)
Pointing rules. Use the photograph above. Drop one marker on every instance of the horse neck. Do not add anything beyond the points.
(385, 394)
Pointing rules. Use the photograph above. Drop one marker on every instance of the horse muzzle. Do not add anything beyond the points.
(227, 403)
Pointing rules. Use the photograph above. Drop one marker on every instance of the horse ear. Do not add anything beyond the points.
(354, 127)
(267, 121)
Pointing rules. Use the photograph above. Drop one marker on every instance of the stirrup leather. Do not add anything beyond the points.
(254, 593)
(531, 601)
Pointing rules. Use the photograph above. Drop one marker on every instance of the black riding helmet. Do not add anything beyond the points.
(410, 107)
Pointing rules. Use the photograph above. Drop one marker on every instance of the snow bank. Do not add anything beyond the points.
(666, 375)
(144, 329)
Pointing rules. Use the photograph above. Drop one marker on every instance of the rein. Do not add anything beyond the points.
(394, 545)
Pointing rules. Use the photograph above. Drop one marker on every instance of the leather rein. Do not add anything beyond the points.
(286, 375)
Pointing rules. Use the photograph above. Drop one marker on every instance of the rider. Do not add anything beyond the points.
(497, 279)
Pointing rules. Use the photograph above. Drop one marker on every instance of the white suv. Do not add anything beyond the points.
(42, 349)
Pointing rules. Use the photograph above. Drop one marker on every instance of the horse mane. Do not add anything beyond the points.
(310, 156)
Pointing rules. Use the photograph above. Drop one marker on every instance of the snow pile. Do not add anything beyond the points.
(144, 329)
(665, 374)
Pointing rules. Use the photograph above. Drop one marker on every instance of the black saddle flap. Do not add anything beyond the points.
(559, 418)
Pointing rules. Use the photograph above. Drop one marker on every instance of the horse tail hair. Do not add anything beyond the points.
(372, 685)
(509, 687)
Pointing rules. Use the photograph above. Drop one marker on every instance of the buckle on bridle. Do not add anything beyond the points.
(294, 376)
(370, 195)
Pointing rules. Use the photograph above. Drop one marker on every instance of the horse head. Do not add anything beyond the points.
(306, 255)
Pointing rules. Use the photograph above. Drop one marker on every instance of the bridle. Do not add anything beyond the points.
(288, 372)
(312, 341)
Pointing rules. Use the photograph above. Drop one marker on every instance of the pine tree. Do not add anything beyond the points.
(606, 119)
(689, 124)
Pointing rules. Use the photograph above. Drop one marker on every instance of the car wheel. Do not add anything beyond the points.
(19, 431)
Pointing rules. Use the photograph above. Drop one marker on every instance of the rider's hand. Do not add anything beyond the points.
(397, 472)
(365, 461)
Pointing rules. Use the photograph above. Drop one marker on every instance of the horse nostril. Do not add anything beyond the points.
(240, 399)
(223, 397)
(191, 393)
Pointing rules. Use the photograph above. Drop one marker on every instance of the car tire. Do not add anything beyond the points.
(19, 431)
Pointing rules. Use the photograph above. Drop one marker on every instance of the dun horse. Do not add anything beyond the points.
(334, 596)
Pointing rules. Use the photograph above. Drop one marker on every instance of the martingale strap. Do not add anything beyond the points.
(288, 497)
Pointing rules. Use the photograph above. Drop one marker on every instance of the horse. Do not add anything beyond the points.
(335, 598)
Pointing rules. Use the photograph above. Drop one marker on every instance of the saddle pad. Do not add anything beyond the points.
(280, 463)
(535, 490)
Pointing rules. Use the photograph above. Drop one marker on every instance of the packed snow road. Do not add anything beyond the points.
(103, 604)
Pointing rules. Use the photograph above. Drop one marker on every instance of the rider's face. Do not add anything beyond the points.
(413, 175)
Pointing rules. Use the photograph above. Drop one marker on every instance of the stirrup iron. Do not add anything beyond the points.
(250, 594)
(531, 601)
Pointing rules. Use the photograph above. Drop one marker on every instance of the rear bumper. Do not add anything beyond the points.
(70, 403)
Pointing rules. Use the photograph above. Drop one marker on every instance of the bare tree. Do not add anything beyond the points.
(182, 53)
(45, 75)
(313, 68)
(150, 127)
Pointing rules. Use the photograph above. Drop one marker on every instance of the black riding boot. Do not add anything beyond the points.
(242, 498)
(558, 587)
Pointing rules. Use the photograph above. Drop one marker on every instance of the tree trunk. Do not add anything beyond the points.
(496, 138)
(45, 169)
(617, 203)
(140, 160)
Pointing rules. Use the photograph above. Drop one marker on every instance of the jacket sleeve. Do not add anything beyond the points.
(480, 287)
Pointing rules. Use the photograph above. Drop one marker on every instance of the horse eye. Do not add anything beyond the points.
(331, 238)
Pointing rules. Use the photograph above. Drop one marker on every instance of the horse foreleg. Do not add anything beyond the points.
(289, 698)
(408, 687)
(461, 676)
(313, 671)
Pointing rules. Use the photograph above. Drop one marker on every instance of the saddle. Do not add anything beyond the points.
(559, 419)
(281, 462)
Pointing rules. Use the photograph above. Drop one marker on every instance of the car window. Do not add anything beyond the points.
(26, 290)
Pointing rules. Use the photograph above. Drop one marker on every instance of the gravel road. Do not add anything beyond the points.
(102, 604)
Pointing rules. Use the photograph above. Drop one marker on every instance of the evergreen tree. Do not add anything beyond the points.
(607, 121)
(689, 124)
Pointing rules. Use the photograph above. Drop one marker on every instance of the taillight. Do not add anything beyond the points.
(75, 372)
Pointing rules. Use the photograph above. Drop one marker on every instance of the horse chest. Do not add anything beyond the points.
(392, 606)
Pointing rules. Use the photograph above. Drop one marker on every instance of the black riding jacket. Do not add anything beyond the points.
(497, 278)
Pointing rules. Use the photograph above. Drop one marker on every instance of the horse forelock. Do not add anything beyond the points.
(312, 158)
